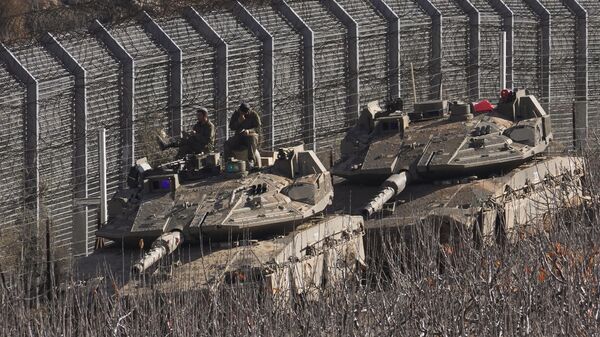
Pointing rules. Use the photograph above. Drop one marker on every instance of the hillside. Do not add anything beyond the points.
(21, 19)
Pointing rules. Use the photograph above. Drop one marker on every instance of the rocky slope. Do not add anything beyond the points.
(21, 19)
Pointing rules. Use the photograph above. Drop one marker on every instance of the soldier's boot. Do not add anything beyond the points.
(253, 156)
(163, 140)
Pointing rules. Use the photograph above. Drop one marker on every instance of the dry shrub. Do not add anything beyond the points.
(10, 247)
(12, 21)
(20, 19)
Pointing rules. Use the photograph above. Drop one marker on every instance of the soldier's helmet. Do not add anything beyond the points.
(244, 107)
(202, 110)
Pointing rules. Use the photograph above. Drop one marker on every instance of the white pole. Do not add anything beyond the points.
(414, 86)
(502, 60)
(102, 173)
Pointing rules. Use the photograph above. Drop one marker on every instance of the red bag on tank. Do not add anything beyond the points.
(483, 106)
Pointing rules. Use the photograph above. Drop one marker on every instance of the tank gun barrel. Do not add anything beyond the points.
(391, 187)
(175, 164)
(161, 247)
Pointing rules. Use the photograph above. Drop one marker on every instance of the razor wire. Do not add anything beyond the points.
(562, 66)
(593, 66)
(489, 57)
(373, 31)
(288, 93)
(416, 50)
(245, 73)
(330, 93)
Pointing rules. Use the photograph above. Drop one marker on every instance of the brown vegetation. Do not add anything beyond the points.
(20, 19)
(12, 20)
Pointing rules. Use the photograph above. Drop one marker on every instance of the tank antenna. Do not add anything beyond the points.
(414, 87)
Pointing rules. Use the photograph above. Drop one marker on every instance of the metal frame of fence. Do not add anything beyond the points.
(340, 53)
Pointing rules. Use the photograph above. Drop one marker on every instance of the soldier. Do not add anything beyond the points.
(200, 140)
(246, 125)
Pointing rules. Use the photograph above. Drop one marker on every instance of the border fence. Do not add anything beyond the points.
(307, 67)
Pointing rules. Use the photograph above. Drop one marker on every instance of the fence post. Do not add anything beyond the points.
(102, 176)
(580, 117)
(353, 82)
(393, 46)
(308, 42)
(268, 64)
(128, 93)
(176, 72)
(474, 45)
(545, 84)
(435, 64)
(80, 156)
(502, 58)
(32, 173)
(507, 27)
(222, 69)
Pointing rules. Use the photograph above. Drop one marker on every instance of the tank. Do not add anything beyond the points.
(487, 174)
(492, 209)
(320, 252)
(275, 212)
(385, 147)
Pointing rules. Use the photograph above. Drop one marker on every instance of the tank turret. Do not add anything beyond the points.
(440, 141)
(260, 226)
(201, 198)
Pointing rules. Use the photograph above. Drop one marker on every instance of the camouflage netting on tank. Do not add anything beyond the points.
(103, 111)
(527, 47)
(489, 50)
(373, 47)
(244, 62)
(12, 159)
(290, 123)
(56, 127)
(331, 93)
(415, 50)
(455, 49)
(199, 69)
(562, 67)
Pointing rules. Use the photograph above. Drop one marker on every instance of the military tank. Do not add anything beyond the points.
(275, 214)
(321, 252)
(444, 161)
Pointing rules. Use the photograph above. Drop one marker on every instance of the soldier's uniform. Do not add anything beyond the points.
(251, 142)
(200, 140)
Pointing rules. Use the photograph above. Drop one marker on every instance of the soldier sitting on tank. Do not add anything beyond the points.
(200, 140)
(246, 124)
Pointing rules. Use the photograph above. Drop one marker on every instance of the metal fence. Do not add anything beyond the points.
(307, 67)
(416, 51)
(591, 74)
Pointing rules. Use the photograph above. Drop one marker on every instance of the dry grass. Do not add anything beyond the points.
(20, 20)
(541, 286)
(12, 20)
